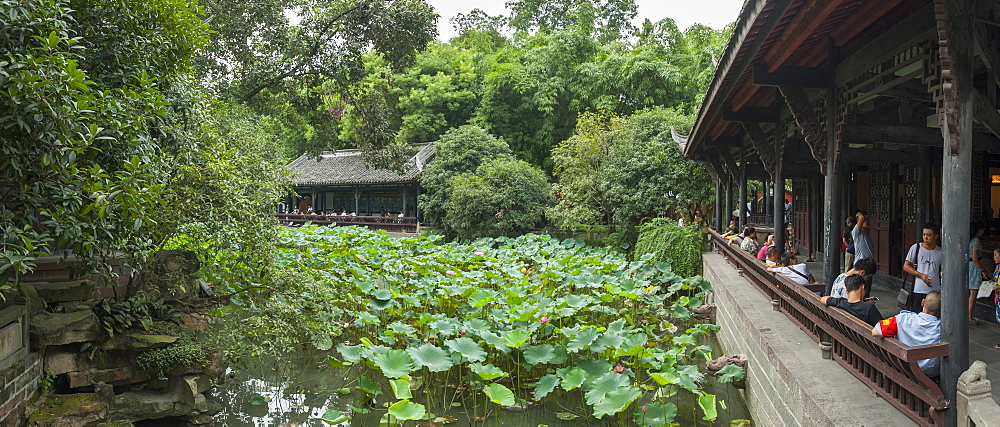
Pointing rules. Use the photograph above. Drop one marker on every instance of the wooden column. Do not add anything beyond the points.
(729, 199)
(955, 113)
(743, 187)
(718, 206)
(832, 219)
(923, 192)
(404, 200)
(768, 203)
(779, 187)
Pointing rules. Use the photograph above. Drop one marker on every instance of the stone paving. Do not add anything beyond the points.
(982, 337)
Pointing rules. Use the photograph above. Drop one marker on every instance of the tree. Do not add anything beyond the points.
(461, 150)
(617, 170)
(515, 188)
(260, 58)
(607, 20)
(109, 147)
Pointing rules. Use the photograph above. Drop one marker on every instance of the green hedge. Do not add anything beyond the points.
(680, 246)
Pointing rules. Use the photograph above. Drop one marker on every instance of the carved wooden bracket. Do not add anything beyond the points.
(760, 143)
(711, 171)
(809, 124)
(730, 165)
(716, 170)
(948, 109)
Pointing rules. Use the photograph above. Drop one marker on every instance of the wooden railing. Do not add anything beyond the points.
(406, 224)
(886, 365)
(760, 220)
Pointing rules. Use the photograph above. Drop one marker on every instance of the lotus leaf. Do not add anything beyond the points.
(366, 385)
(545, 385)
(499, 394)
(469, 349)
(487, 372)
(573, 378)
(401, 388)
(537, 354)
(616, 401)
(730, 373)
(707, 405)
(515, 338)
(582, 340)
(431, 357)
(605, 384)
(394, 363)
(407, 410)
(333, 417)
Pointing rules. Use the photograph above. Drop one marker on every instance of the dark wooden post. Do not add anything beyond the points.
(729, 199)
(955, 38)
(743, 187)
(768, 203)
(718, 205)
(779, 187)
(923, 192)
(831, 193)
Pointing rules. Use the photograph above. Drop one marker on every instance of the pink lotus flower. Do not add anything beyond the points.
(544, 319)
(619, 368)
(645, 408)
(461, 332)
(480, 253)
(450, 273)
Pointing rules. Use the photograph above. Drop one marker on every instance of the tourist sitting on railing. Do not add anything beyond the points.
(731, 230)
(788, 266)
(855, 303)
(762, 253)
(866, 267)
(773, 253)
(750, 243)
(915, 329)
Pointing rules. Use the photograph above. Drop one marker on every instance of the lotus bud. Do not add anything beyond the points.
(544, 319)
(461, 332)
(480, 253)
(450, 273)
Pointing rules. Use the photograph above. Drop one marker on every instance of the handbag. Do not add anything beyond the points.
(905, 296)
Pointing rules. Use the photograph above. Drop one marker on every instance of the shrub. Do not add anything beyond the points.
(681, 246)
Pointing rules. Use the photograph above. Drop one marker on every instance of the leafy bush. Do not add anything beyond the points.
(666, 241)
(180, 354)
(118, 316)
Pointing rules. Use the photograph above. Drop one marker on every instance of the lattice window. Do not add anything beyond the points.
(879, 201)
(909, 196)
(978, 181)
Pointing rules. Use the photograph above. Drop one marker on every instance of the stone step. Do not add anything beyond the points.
(73, 290)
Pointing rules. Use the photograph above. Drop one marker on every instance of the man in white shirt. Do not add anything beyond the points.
(923, 261)
(866, 267)
(788, 266)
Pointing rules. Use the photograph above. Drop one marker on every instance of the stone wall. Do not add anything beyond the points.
(788, 382)
(20, 382)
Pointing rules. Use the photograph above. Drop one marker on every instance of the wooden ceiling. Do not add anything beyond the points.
(802, 35)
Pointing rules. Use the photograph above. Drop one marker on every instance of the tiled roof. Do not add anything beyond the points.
(348, 167)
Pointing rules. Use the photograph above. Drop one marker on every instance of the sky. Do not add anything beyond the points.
(714, 13)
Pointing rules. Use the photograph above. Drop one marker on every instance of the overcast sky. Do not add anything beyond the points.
(714, 13)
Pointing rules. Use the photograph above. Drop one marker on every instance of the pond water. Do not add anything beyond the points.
(275, 393)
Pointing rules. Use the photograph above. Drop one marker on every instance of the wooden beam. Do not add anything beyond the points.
(806, 20)
(751, 114)
(918, 136)
(725, 142)
(986, 52)
(792, 76)
(862, 155)
(861, 19)
(759, 141)
(808, 122)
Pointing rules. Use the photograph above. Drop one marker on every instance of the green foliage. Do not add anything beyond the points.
(510, 319)
(162, 359)
(667, 242)
(119, 316)
(619, 170)
(514, 186)
(461, 150)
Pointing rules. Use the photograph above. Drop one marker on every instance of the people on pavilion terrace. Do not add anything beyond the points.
(976, 272)
(750, 243)
(865, 267)
(915, 329)
(788, 265)
(849, 242)
(862, 241)
(923, 261)
(731, 230)
(773, 253)
(762, 253)
(855, 303)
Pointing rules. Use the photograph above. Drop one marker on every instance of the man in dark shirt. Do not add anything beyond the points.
(854, 303)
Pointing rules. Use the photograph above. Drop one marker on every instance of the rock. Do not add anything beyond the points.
(115, 424)
(117, 376)
(57, 329)
(201, 419)
(137, 341)
(194, 322)
(69, 410)
(70, 358)
(29, 298)
(721, 362)
(216, 366)
(75, 290)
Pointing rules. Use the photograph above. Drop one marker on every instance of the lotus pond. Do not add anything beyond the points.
(506, 331)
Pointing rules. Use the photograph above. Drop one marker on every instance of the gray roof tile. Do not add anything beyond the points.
(348, 167)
